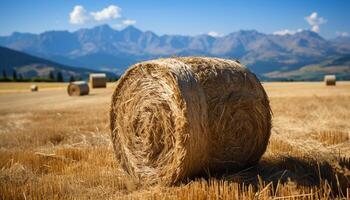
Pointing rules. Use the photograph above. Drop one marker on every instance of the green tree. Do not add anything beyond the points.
(71, 79)
(14, 75)
(4, 75)
(59, 77)
(20, 77)
(51, 76)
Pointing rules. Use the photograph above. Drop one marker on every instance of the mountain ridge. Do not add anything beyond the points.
(31, 66)
(102, 47)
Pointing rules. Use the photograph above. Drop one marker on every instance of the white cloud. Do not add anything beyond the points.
(287, 32)
(214, 34)
(128, 22)
(315, 21)
(78, 15)
(111, 12)
(342, 34)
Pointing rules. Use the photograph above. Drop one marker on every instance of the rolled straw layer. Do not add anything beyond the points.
(174, 118)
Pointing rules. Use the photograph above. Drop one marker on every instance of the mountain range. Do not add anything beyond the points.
(31, 66)
(269, 56)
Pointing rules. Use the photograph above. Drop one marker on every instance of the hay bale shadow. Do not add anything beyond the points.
(302, 171)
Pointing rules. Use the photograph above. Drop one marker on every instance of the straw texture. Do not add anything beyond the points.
(239, 115)
(174, 118)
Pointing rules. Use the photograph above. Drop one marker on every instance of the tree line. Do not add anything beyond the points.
(52, 77)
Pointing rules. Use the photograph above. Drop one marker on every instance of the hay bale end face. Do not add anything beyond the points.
(98, 80)
(330, 80)
(78, 88)
(174, 118)
(34, 88)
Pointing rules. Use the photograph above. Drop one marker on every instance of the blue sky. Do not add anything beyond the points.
(327, 17)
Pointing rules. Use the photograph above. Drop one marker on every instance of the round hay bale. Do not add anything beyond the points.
(158, 120)
(98, 80)
(174, 118)
(34, 88)
(330, 80)
(78, 88)
(239, 114)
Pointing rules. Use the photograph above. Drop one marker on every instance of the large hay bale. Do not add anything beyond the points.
(239, 115)
(98, 80)
(330, 80)
(174, 118)
(78, 88)
(34, 88)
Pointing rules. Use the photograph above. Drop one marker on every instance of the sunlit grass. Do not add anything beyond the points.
(67, 154)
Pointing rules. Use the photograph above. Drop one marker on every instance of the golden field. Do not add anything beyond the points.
(13, 87)
(53, 146)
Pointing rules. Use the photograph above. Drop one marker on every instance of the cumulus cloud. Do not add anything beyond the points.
(342, 34)
(214, 34)
(78, 15)
(111, 12)
(128, 22)
(315, 21)
(287, 32)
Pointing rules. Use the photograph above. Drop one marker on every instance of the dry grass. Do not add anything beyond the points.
(333, 137)
(62, 150)
(25, 86)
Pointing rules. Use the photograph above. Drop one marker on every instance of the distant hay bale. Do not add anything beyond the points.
(78, 88)
(174, 118)
(330, 79)
(98, 80)
(34, 88)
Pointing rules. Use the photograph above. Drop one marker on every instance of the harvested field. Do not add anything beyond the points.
(56, 147)
(13, 87)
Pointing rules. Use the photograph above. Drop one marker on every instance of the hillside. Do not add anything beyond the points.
(338, 65)
(31, 66)
(104, 48)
